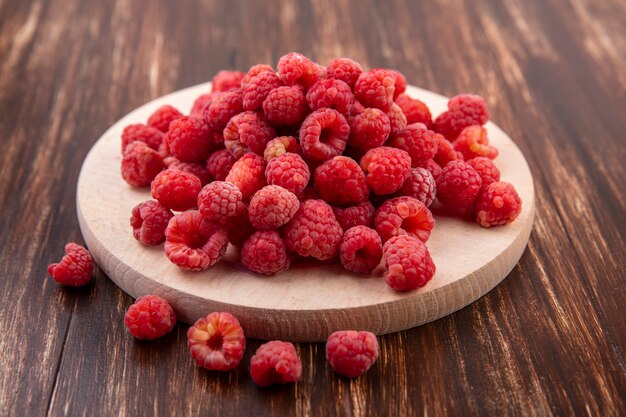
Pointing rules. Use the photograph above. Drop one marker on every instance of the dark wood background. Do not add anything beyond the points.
(549, 340)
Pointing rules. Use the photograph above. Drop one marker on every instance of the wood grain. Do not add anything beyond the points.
(548, 341)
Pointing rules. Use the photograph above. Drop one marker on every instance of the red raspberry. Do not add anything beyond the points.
(149, 220)
(404, 216)
(201, 104)
(219, 200)
(458, 186)
(288, 171)
(189, 139)
(194, 243)
(408, 263)
(498, 204)
(248, 174)
(258, 88)
(226, 80)
(217, 342)
(141, 133)
(219, 164)
(416, 111)
(418, 141)
(463, 110)
(375, 88)
(369, 129)
(324, 134)
(285, 106)
(149, 318)
(295, 68)
(351, 353)
(76, 267)
(361, 249)
(330, 93)
(272, 207)
(239, 228)
(275, 362)
(487, 170)
(264, 253)
(473, 142)
(247, 132)
(279, 146)
(199, 170)
(162, 117)
(434, 168)
(359, 215)
(253, 72)
(341, 180)
(386, 169)
(176, 190)
(445, 152)
(140, 164)
(400, 85)
(420, 185)
(357, 108)
(222, 108)
(397, 119)
(344, 69)
(314, 231)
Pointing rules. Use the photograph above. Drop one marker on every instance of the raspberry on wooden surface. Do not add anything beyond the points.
(247, 132)
(397, 119)
(458, 186)
(195, 168)
(219, 200)
(149, 318)
(258, 88)
(289, 171)
(359, 215)
(149, 220)
(324, 134)
(369, 129)
(75, 268)
(219, 164)
(272, 207)
(279, 146)
(264, 253)
(361, 249)
(140, 164)
(248, 174)
(285, 105)
(473, 142)
(418, 141)
(201, 104)
(341, 180)
(190, 139)
(375, 88)
(404, 216)
(176, 190)
(344, 69)
(217, 342)
(160, 119)
(386, 169)
(226, 80)
(139, 132)
(296, 69)
(416, 111)
(275, 362)
(487, 170)
(463, 110)
(351, 353)
(332, 94)
(420, 185)
(446, 152)
(253, 72)
(408, 263)
(498, 204)
(222, 108)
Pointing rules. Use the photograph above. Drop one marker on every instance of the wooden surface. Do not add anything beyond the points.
(548, 341)
(310, 300)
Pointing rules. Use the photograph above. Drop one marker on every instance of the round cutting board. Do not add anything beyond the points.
(310, 300)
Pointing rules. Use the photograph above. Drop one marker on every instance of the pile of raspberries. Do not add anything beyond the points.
(311, 161)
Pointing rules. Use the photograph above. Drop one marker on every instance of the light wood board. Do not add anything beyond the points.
(310, 300)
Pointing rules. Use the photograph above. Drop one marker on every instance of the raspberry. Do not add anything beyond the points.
(295, 68)
(324, 134)
(404, 216)
(275, 362)
(279, 146)
(397, 119)
(285, 106)
(176, 190)
(201, 104)
(434, 168)
(341, 180)
(272, 207)
(361, 249)
(420, 185)
(189, 139)
(375, 88)
(458, 186)
(498, 204)
(314, 231)
(162, 117)
(344, 69)
(76, 267)
(400, 85)
(288, 171)
(487, 170)
(445, 152)
(359, 215)
(194, 243)
(226, 80)
(247, 132)
(258, 88)
(141, 133)
(199, 170)
(473, 142)
(386, 169)
(219, 200)
(351, 353)
(416, 111)
(330, 93)
(264, 253)
(222, 108)
(418, 141)
(253, 72)
(219, 164)
(463, 110)
(149, 220)
(239, 228)
(248, 174)
(408, 263)
(369, 129)
(149, 318)
(140, 164)
(217, 342)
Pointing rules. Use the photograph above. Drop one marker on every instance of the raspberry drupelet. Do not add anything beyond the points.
(140, 164)
(248, 174)
(285, 106)
(498, 204)
(272, 207)
(351, 353)
(418, 141)
(219, 200)
(404, 216)
(222, 108)
(217, 342)
(258, 88)
(75, 268)
(176, 190)
(253, 72)
(324, 134)
(289, 171)
(487, 170)
(361, 249)
(296, 69)
(279, 146)
(341, 180)
(195, 168)
(201, 104)
(375, 88)
(149, 221)
(332, 94)
(386, 169)
(463, 110)
(275, 362)
(359, 215)
(344, 69)
(247, 132)
(141, 133)
(219, 164)
(226, 80)
(163, 116)
(369, 129)
(416, 111)
(190, 139)
(458, 186)
(408, 263)
(264, 253)
(149, 318)
(420, 185)
(473, 142)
